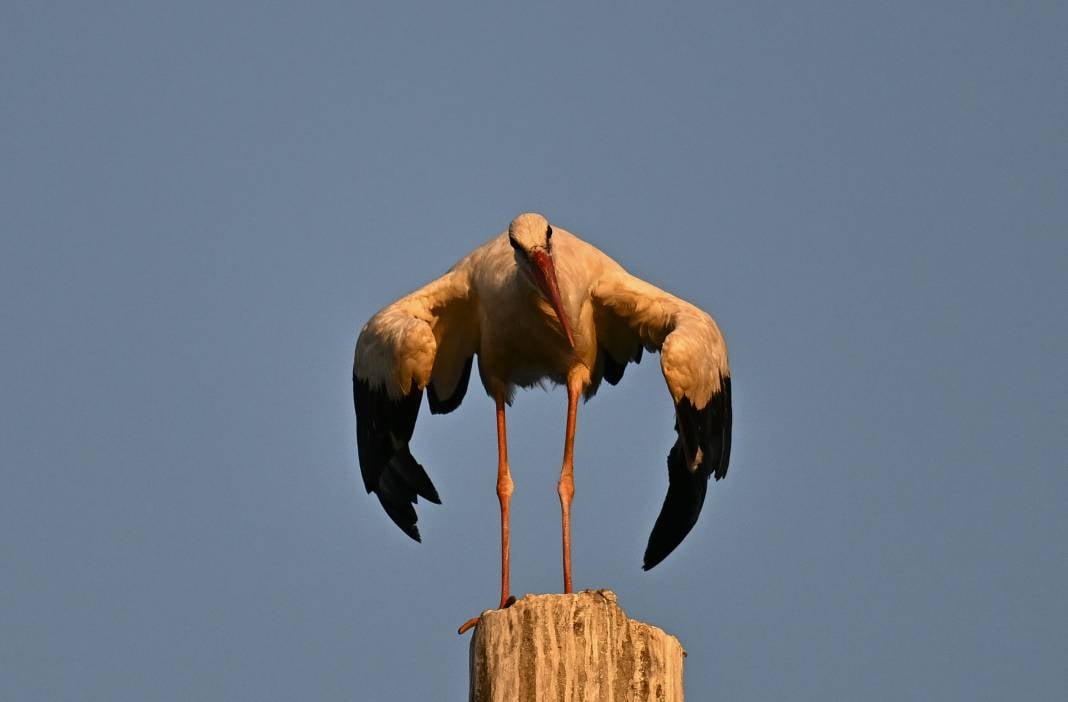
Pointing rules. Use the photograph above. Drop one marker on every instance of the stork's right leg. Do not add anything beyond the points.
(504, 494)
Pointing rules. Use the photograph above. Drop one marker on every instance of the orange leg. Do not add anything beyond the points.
(566, 486)
(504, 494)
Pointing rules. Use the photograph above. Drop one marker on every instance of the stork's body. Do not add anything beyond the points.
(537, 303)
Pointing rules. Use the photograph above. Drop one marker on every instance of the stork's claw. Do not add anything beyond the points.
(474, 620)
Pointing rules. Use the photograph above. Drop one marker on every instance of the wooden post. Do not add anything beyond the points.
(572, 648)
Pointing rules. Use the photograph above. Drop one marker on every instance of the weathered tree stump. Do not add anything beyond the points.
(569, 648)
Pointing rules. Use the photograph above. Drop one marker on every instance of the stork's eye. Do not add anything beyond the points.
(548, 233)
(514, 243)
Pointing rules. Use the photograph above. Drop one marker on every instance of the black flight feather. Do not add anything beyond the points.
(682, 506)
(445, 405)
(613, 369)
(384, 427)
(702, 450)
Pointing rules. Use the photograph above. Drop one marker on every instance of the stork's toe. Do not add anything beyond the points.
(474, 620)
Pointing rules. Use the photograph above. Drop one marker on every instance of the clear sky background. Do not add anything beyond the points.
(200, 206)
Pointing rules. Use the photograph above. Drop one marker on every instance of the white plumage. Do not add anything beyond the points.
(538, 303)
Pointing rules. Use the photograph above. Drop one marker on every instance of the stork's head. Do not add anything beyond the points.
(531, 235)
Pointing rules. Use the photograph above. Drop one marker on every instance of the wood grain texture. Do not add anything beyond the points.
(548, 648)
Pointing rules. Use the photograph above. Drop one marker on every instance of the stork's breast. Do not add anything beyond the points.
(526, 349)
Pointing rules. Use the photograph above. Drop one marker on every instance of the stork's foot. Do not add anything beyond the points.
(470, 623)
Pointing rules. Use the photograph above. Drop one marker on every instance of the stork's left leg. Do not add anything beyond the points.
(566, 486)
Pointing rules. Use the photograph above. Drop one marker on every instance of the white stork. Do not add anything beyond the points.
(537, 303)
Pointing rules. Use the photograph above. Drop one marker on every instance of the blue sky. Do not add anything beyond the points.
(201, 205)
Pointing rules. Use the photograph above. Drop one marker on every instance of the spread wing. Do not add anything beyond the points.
(423, 341)
(630, 315)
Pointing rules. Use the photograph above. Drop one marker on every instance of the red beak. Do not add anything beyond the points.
(546, 279)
